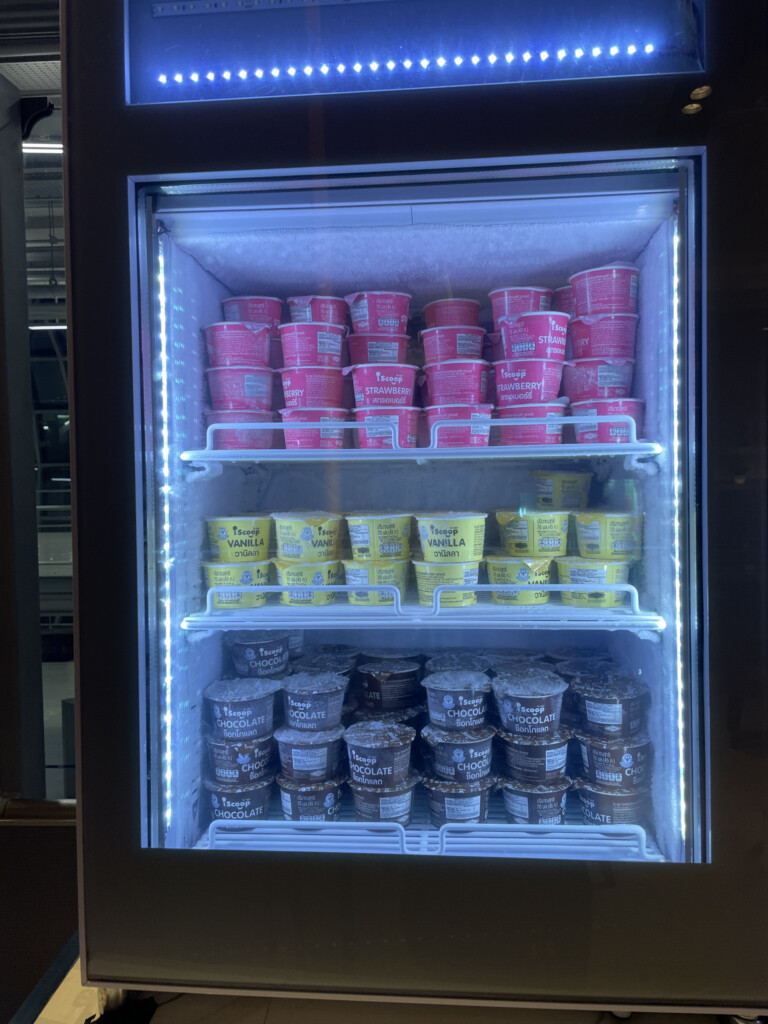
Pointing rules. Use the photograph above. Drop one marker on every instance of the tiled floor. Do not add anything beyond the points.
(58, 684)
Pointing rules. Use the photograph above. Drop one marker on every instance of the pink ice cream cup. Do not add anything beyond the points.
(457, 381)
(323, 309)
(455, 342)
(312, 387)
(243, 436)
(240, 387)
(452, 312)
(604, 335)
(597, 378)
(377, 348)
(563, 299)
(377, 434)
(608, 289)
(527, 380)
(534, 335)
(254, 309)
(473, 436)
(532, 433)
(383, 383)
(378, 312)
(314, 437)
(608, 433)
(237, 344)
(511, 301)
(312, 344)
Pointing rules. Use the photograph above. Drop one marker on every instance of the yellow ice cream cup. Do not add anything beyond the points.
(301, 575)
(609, 534)
(434, 574)
(520, 576)
(591, 572)
(306, 536)
(561, 490)
(451, 536)
(248, 575)
(379, 535)
(533, 533)
(239, 538)
(372, 573)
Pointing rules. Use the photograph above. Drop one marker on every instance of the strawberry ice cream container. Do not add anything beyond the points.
(608, 433)
(606, 335)
(608, 289)
(377, 432)
(476, 435)
(450, 312)
(237, 344)
(378, 312)
(597, 378)
(242, 436)
(312, 344)
(308, 387)
(534, 335)
(457, 381)
(254, 309)
(455, 342)
(377, 348)
(314, 437)
(326, 309)
(240, 387)
(527, 380)
(532, 433)
(514, 300)
(562, 299)
(383, 383)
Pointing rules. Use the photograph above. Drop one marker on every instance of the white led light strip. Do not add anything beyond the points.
(166, 561)
(676, 495)
(407, 64)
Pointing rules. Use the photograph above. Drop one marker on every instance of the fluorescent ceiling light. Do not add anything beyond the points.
(42, 147)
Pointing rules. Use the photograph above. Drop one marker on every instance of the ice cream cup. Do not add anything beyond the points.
(588, 574)
(452, 536)
(241, 802)
(306, 536)
(379, 535)
(533, 433)
(455, 342)
(529, 700)
(378, 384)
(430, 575)
(460, 755)
(312, 701)
(254, 309)
(240, 387)
(563, 299)
(377, 348)
(520, 299)
(623, 762)
(536, 759)
(457, 381)
(597, 378)
(609, 534)
(240, 437)
(394, 574)
(533, 533)
(384, 803)
(310, 799)
(611, 706)
(308, 387)
(325, 309)
(240, 709)
(521, 576)
(239, 538)
(308, 755)
(379, 752)
(461, 802)
(312, 344)
(237, 344)
(603, 805)
(378, 312)
(248, 575)
(300, 576)
(457, 700)
(474, 436)
(313, 437)
(607, 433)
(604, 335)
(607, 289)
(377, 433)
(527, 380)
(539, 335)
(528, 803)
(388, 684)
(240, 761)
(561, 490)
(452, 312)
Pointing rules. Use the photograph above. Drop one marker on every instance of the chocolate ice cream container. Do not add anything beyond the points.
(529, 701)
(601, 805)
(536, 759)
(616, 764)
(390, 653)
(240, 709)
(313, 700)
(611, 706)
(238, 762)
(458, 801)
(379, 753)
(307, 755)
(558, 654)
(457, 661)
(530, 804)
(390, 684)
(457, 700)
(238, 803)
(318, 800)
(258, 653)
(384, 803)
(459, 755)
(314, 663)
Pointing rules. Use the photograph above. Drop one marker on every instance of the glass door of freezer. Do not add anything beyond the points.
(420, 474)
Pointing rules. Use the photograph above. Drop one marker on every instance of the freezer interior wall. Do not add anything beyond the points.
(200, 268)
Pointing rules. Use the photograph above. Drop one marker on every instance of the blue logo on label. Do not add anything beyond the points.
(508, 706)
(329, 801)
(564, 527)
(306, 533)
(249, 652)
(317, 578)
(423, 532)
(214, 801)
(626, 761)
(458, 756)
(217, 710)
(406, 530)
(246, 576)
(243, 758)
(223, 533)
(562, 801)
(448, 701)
(523, 574)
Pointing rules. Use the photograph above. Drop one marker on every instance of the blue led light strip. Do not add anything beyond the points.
(676, 504)
(389, 65)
